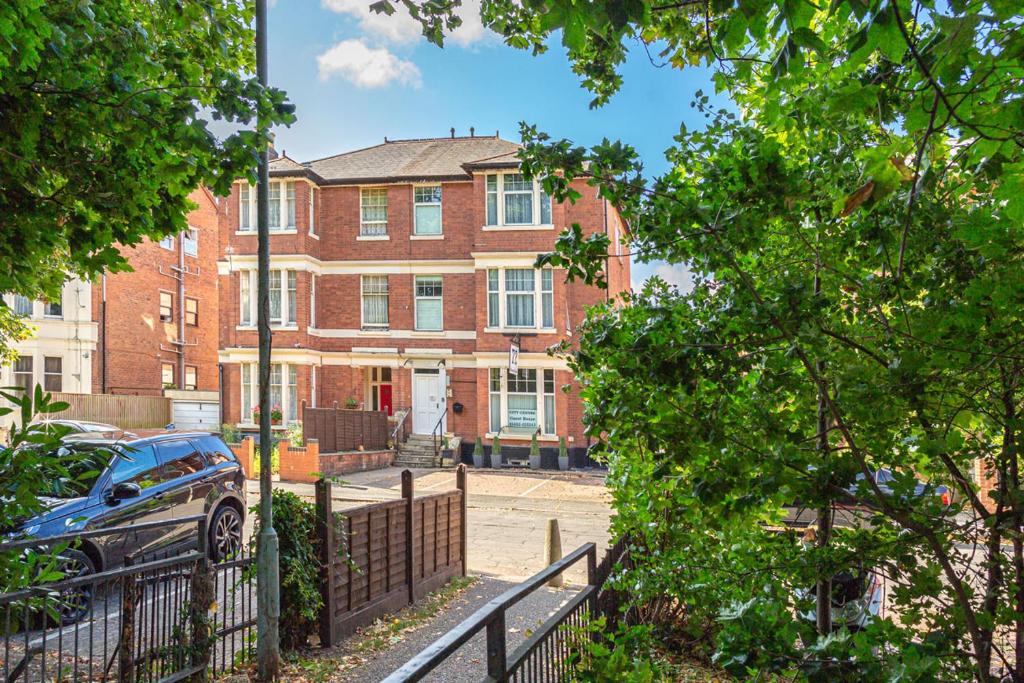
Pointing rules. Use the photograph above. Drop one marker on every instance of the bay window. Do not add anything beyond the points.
(429, 308)
(523, 402)
(282, 206)
(22, 305)
(283, 391)
(53, 373)
(375, 301)
(512, 200)
(53, 309)
(23, 372)
(427, 210)
(283, 306)
(373, 211)
(520, 298)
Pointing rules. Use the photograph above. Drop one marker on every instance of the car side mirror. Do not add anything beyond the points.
(124, 490)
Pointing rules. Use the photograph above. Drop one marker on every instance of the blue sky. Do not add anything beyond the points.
(356, 77)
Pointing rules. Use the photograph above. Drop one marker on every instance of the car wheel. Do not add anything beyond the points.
(75, 601)
(225, 534)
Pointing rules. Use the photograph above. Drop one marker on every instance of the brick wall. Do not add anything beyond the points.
(133, 339)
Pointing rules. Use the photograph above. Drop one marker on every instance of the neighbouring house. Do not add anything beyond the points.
(158, 330)
(59, 354)
(400, 275)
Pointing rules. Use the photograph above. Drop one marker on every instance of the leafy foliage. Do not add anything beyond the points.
(295, 523)
(104, 128)
(852, 220)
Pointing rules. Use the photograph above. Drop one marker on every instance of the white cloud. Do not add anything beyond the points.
(679, 276)
(367, 67)
(402, 29)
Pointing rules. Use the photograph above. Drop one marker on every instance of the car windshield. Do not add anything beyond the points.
(74, 470)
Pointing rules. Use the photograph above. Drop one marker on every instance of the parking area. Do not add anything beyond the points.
(508, 511)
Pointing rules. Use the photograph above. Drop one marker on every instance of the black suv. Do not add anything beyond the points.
(158, 478)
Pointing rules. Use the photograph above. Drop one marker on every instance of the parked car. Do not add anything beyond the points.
(126, 482)
(886, 479)
(856, 599)
(88, 429)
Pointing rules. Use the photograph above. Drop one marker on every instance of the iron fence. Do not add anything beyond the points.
(152, 620)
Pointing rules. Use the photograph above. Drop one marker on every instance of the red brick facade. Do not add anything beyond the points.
(335, 356)
(134, 342)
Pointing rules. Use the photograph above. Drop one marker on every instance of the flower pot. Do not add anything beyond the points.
(563, 462)
(478, 459)
(535, 462)
(495, 460)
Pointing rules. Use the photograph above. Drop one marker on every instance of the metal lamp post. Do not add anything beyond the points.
(268, 644)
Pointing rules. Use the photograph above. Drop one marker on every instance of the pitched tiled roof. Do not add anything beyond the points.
(410, 160)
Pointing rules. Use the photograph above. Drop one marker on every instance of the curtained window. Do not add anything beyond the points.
(519, 297)
(429, 303)
(427, 210)
(373, 211)
(375, 300)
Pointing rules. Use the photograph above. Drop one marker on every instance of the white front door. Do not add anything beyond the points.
(427, 400)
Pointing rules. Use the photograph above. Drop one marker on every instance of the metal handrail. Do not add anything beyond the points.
(492, 617)
(399, 422)
(434, 433)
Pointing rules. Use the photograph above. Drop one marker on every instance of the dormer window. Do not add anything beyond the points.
(514, 201)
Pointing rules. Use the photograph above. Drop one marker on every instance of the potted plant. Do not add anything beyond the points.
(534, 453)
(563, 454)
(478, 453)
(276, 415)
(351, 403)
(496, 452)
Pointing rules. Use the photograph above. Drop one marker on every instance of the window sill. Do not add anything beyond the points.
(253, 328)
(314, 236)
(513, 228)
(521, 330)
(426, 237)
(426, 333)
(372, 238)
(374, 331)
(522, 436)
(253, 232)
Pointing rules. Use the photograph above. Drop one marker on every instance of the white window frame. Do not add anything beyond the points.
(278, 282)
(440, 210)
(31, 372)
(312, 300)
(417, 298)
(59, 375)
(254, 387)
(195, 378)
(190, 242)
(163, 376)
(499, 192)
(362, 308)
(540, 295)
(365, 225)
(54, 316)
(312, 211)
(160, 305)
(541, 393)
(285, 191)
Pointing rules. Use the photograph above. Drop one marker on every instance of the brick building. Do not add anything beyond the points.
(158, 323)
(400, 274)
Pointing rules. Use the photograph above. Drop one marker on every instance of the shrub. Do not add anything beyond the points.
(230, 433)
(295, 435)
(295, 523)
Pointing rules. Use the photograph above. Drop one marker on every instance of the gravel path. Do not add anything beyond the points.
(469, 664)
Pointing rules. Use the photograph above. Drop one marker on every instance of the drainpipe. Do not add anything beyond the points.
(608, 257)
(103, 334)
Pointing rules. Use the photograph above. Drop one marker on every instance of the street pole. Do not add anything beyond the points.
(268, 644)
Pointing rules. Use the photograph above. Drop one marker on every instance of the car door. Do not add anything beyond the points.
(139, 466)
(189, 485)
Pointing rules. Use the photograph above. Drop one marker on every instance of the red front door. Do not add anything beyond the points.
(385, 398)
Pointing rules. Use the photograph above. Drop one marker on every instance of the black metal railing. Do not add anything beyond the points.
(542, 656)
(436, 433)
(153, 619)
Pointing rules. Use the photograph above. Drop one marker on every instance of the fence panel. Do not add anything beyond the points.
(126, 412)
(379, 558)
(340, 430)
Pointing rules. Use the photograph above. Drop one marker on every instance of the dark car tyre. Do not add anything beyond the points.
(225, 534)
(75, 601)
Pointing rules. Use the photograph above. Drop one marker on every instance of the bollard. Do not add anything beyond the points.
(554, 552)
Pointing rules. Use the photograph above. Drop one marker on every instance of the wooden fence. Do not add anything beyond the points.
(391, 553)
(126, 412)
(346, 430)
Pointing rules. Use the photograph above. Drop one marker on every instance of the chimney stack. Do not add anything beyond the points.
(271, 152)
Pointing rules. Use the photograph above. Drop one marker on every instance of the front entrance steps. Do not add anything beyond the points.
(418, 451)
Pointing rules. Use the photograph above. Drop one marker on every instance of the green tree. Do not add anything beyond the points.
(104, 128)
(853, 220)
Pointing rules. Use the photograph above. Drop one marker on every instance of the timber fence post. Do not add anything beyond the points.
(460, 483)
(328, 551)
(410, 565)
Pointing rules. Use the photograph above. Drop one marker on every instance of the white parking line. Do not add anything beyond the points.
(534, 488)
